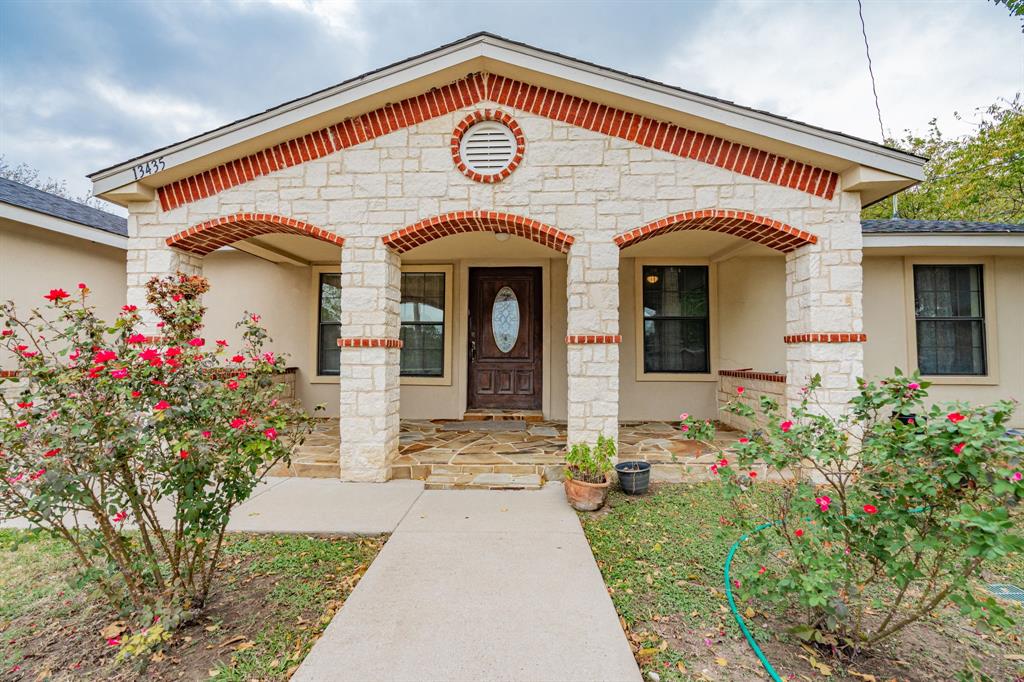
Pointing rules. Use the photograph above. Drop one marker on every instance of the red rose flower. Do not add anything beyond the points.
(161, 406)
(799, 532)
(222, 342)
(27, 405)
(52, 453)
(136, 394)
(739, 390)
(197, 342)
(119, 517)
(955, 417)
(7, 332)
(183, 454)
(137, 338)
(752, 474)
(177, 297)
(104, 356)
(870, 509)
(744, 440)
(172, 351)
(959, 447)
(56, 295)
(129, 308)
(150, 354)
(786, 426)
(119, 373)
(22, 424)
(270, 433)
(232, 385)
(723, 462)
(237, 423)
(81, 285)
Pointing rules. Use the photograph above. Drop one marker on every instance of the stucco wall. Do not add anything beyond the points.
(887, 316)
(33, 261)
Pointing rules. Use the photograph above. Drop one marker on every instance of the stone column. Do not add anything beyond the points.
(593, 340)
(371, 280)
(824, 314)
(149, 256)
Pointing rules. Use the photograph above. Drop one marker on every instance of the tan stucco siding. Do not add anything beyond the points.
(33, 261)
(888, 314)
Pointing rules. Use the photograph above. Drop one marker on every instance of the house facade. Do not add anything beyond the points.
(491, 229)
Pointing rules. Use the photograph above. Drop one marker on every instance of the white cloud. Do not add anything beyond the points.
(341, 18)
(171, 116)
(807, 62)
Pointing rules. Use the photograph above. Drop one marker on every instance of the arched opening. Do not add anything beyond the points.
(754, 228)
(211, 235)
(461, 222)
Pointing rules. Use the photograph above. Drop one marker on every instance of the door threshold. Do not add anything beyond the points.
(503, 415)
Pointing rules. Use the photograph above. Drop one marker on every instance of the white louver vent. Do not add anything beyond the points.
(488, 147)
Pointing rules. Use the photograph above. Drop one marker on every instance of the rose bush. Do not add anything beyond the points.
(880, 516)
(135, 449)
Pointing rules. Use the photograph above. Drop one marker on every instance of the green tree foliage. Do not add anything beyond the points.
(974, 177)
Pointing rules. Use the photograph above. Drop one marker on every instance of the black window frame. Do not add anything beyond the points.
(706, 318)
(980, 319)
(320, 323)
(418, 323)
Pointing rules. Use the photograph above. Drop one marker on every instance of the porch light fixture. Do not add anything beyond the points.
(502, 236)
(651, 279)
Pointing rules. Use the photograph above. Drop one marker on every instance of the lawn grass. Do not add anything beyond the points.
(275, 595)
(662, 557)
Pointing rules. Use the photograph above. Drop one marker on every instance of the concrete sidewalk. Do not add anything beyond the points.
(311, 505)
(478, 585)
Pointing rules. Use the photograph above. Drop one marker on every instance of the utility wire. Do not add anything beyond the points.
(871, 70)
(874, 90)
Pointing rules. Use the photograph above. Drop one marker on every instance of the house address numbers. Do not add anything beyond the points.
(141, 170)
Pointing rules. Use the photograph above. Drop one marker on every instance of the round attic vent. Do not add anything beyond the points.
(487, 146)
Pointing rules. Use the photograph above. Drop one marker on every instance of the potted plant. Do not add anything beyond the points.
(634, 477)
(586, 474)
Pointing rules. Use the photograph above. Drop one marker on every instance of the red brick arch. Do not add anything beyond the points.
(460, 222)
(205, 237)
(754, 228)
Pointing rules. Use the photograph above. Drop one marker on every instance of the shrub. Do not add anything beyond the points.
(136, 449)
(882, 516)
(590, 464)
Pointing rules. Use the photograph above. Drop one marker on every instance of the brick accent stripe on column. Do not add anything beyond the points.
(487, 115)
(368, 342)
(459, 222)
(478, 87)
(771, 233)
(752, 375)
(10, 373)
(209, 236)
(592, 338)
(826, 337)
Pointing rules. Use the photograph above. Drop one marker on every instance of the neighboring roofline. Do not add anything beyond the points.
(45, 221)
(896, 240)
(489, 46)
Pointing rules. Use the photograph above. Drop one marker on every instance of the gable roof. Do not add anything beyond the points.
(907, 226)
(485, 52)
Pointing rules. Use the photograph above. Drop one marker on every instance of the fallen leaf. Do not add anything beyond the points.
(211, 628)
(647, 651)
(114, 629)
(721, 661)
(245, 646)
(863, 676)
(1013, 657)
(681, 666)
(749, 613)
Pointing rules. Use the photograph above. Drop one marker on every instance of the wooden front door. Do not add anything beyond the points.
(505, 321)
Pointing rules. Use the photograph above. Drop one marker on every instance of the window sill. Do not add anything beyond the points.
(949, 380)
(648, 376)
(425, 381)
(324, 379)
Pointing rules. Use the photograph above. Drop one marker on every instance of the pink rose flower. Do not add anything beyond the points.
(786, 426)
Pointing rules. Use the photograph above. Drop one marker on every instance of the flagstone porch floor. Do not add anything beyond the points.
(442, 447)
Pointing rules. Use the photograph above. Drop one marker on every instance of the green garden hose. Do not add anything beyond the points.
(736, 614)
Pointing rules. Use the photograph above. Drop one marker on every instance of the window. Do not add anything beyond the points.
(675, 319)
(949, 307)
(422, 314)
(328, 324)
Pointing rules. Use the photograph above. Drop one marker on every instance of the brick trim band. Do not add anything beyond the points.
(592, 338)
(206, 237)
(369, 342)
(826, 337)
(765, 231)
(459, 222)
(9, 373)
(487, 115)
(479, 87)
(752, 375)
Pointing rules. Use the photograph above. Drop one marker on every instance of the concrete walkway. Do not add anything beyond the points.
(478, 585)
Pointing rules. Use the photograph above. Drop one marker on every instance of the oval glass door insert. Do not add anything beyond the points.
(505, 319)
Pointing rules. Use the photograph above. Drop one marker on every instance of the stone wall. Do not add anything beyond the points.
(755, 386)
(584, 183)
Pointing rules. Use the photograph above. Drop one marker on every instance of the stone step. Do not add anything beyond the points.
(307, 469)
(483, 482)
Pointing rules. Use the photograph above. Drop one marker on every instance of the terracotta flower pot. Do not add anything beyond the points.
(585, 496)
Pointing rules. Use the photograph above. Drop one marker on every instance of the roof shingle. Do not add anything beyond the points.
(907, 226)
(17, 194)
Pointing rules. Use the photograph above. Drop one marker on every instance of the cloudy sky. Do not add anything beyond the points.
(84, 85)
